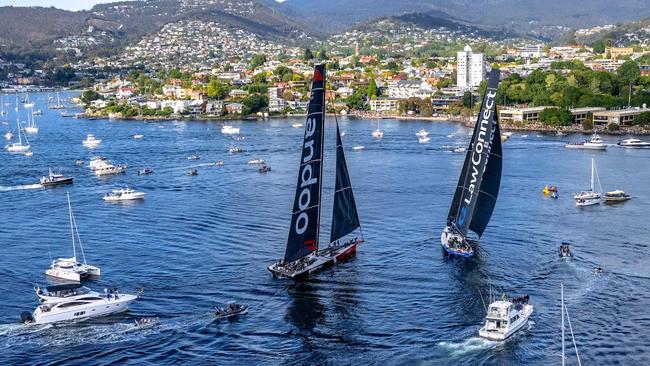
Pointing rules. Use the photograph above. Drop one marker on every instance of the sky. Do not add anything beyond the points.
(61, 4)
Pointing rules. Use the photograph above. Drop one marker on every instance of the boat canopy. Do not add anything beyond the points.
(64, 287)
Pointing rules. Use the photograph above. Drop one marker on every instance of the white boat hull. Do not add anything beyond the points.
(93, 310)
(499, 334)
(125, 197)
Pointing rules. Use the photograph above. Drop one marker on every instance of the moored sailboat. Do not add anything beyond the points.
(479, 181)
(302, 256)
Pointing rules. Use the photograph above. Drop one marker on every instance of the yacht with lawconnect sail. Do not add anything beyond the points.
(302, 256)
(479, 181)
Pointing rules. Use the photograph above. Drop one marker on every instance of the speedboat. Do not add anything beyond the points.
(108, 168)
(460, 150)
(192, 172)
(616, 196)
(256, 161)
(633, 143)
(80, 308)
(97, 162)
(138, 136)
(264, 168)
(358, 147)
(229, 130)
(9, 135)
(235, 150)
(124, 194)
(145, 171)
(296, 125)
(194, 157)
(91, 140)
(424, 140)
(67, 114)
(55, 179)
(316, 261)
(595, 143)
(565, 252)
(218, 163)
(507, 134)
(422, 133)
(505, 317)
(229, 311)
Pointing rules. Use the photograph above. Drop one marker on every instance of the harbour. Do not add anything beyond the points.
(197, 241)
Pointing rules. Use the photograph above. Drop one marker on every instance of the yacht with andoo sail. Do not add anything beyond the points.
(594, 143)
(480, 178)
(505, 317)
(591, 196)
(303, 257)
(55, 179)
(70, 269)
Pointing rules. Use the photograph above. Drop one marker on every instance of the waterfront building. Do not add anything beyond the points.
(622, 117)
(276, 101)
(530, 114)
(405, 89)
(581, 114)
(470, 68)
(381, 105)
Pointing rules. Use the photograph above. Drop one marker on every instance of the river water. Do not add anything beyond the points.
(204, 240)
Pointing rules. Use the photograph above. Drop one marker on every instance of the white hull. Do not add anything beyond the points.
(501, 334)
(125, 197)
(31, 130)
(110, 170)
(95, 309)
(17, 148)
(424, 140)
(9, 135)
(229, 130)
(586, 146)
(377, 134)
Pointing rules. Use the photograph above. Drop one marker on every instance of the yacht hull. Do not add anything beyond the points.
(445, 240)
(94, 310)
(325, 259)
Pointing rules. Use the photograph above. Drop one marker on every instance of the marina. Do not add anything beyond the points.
(214, 234)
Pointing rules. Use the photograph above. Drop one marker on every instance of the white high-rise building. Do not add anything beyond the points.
(470, 69)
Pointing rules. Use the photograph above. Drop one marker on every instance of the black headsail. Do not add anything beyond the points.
(305, 219)
(345, 218)
(480, 178)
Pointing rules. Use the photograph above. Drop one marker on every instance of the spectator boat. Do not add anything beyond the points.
(55, 179)
(591, 196)
(91, 140)
(595, 143)
(633, 143)
(124, 194)
(505, 317)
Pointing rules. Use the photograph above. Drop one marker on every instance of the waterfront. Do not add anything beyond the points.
(197, 241)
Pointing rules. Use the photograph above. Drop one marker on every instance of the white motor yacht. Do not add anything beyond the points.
(424, 140)
(505, 317)
(79, 308)
(229, 130)
(591, 196)
(633, 143)
(97, 162)
(138, 136)
(256, 161)
(124, 194)
(422, 133)
(377, 134)
(9, 135)
(595, 143)
(91, 140)
(103, 166)
(70, 269)
(358, 147)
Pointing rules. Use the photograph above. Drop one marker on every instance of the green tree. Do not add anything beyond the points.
(356, 100)
(468, 99)
(643, 119)
(392, 66)
(255, 103)
(89, 95)
(216, 90)
(556, 117)
(599, 46)
(308, 55)
(588, 123)
(628, 73)
(256, 61)
(373, 91)
(612, 127)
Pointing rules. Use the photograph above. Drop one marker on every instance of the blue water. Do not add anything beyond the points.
(198, 241)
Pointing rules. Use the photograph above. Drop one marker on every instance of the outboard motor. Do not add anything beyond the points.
(26, 317)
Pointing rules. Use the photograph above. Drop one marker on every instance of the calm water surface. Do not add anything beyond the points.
(198, 241)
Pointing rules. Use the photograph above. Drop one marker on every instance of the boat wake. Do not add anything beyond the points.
(470, 345)
(20, 187)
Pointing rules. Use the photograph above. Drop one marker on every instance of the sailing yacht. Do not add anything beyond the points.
(591, 196)
(19, 147)
(378, 134)
(479, 181)
(71, 269)
(58, 104)
(31, 124)
(302, 256)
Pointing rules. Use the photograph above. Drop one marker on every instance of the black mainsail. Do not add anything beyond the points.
(305, 219)
(345, 218)
(480, 178)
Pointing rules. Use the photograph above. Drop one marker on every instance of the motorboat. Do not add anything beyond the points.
(138, 136)
(91, 140)
(145, 323)
(79, 162)
(62, 292)
(108, 168)
(256, 161)
(507, 134)
(67, 114)
(595, 143)
(192, 172)
(145, 171)
(97, 162)
(229, 130)
(505, 317)
(549, 188)
(358, 147)
(235, 150)
(296, 125)
(633, 143)
(230, 311)
(617, 196)
(459, 150)
(80, 308)
(55, 179)
(565, 252)
(9, 135)
(377, 134)
(71, 269)
(123, 194)
(524, 136)
(422, 133)
(591, 196)
(38, 112)
(264, 168)
(218, 163)
(424, 140)
(194, 157)
(560, 134)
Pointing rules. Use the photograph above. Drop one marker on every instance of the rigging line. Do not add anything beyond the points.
(572, 336)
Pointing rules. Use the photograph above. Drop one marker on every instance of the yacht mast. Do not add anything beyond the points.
(562, 313)
(593, 168)
(74, 249)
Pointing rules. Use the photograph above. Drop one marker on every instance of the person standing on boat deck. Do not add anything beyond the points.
(116, 294)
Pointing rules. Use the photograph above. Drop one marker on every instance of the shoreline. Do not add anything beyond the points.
(635, 131)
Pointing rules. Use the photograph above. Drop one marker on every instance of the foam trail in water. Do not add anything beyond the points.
(17, 188)
(469, 345)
